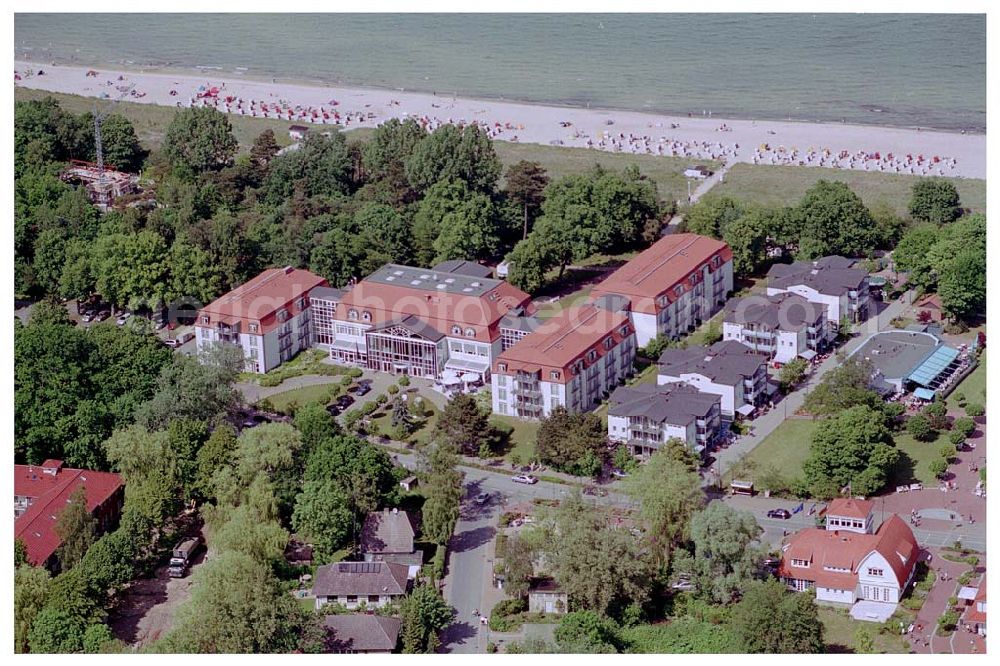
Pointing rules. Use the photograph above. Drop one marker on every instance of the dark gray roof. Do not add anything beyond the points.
(726, 362)
(462, 267)
(675, 403)
(431, 280)
(361, 632)
(387, 531)
(360, 578)
(613, 302)
(897, 353)
(520, 322)
(414, 324)
(326, 293)
(828, 275)
(543, 584)
(785, 311)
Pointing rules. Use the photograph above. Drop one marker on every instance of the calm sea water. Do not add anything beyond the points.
(888, 69)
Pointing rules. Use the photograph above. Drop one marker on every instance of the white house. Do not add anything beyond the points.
(646, 416)
(846, 562)
(351, 584)
(783, 326)
(729, 369)
(829, 281)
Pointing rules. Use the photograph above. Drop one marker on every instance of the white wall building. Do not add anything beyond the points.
(646, 416)
(829, 281)
(729, 369)
(783, 326)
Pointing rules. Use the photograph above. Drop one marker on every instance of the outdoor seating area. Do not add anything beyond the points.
(452, 383)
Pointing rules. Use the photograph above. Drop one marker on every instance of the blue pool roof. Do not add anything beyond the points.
(933, 366)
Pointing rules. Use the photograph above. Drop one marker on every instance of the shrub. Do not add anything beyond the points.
(965, 578)
(381, 399)
(957, 439)
(392, 390)
(354, 373)
(369, 407)
(948, 620)
(404, 381)
(506, 518)
(975, 409)
(919, 426)
(938, 467)
(960, 399)
(346, 381)
(505, 623)
(510, 607)
(964, 425)
(937, 414)
(437, 563)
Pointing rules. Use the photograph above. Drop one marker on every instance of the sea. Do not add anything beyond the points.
(905, 70)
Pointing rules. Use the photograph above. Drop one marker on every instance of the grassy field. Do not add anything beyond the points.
(785, 185)
(973, 386)
(841, 630)
(785, 449)
(523, 437)
(150, 121)
(301, 396)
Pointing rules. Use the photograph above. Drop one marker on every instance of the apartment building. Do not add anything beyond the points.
(423, 321)
(573, 360)
(729, 369)
(268, 317)
(783, 326)
(830, 281)
(848, 561)
(646, 416)
(672, 286)
(41, 492)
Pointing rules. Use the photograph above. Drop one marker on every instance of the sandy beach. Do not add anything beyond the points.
(866, 148)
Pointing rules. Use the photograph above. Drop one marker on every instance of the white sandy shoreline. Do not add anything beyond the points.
(862, 147)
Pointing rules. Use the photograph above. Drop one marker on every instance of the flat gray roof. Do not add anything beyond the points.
(326, 294)
(463, 267)
(429, 279)
(897, 353)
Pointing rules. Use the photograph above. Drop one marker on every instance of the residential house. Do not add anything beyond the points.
(783, 326)
(572, 360)
(975, 615)
(41, 492)
(351, 584)
(830, 281)
(848, 561)
(673, 285)
(545, 596)
(931, 304)
(361, 633)
(645, 416)
(297, 132)
(423, 321)
(387, 536)
(729, 369)
(268, 317)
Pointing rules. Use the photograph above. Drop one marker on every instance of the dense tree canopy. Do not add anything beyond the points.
(852, 448)
(935, 200)
(453, 152)
(200, 139)
(769, 619)
(572, 442)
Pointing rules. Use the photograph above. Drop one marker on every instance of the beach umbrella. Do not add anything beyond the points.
(470, 377)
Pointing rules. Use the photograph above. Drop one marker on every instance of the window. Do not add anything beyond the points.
(204, 319)
(875, 572)
(470, 332)
(800, 563)
(592, 355)
(352, 599)
(300, 304)
(716, 260)
(502, 367)
(253, 328)
(366, 316)
(554, 374)
(624, 331)
(282, 315)
(456, 330)
(253, 353)
(502, 394)
(608, 343)
(352, 314)
(678, 290)
(693, 279)
(373, 598)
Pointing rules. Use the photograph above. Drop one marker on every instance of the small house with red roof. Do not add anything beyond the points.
(975, 615)
(931, 304)
(848, 562)
(41, 492)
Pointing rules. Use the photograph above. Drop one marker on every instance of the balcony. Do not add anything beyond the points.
(527, 393)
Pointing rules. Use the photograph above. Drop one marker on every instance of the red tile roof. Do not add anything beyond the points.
(849, 508)
(442, 310)
(50, 493)
(846, 550)
(659, 268)
(563, 339)
(259, 300)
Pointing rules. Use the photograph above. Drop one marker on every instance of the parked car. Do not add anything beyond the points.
(524, 478)
(364, 388)
(88, 317)
(594, 490)
(123, 317)
(483, 499)
(345, 401)
(172, 343)
(333, 409)
(783, 514)
(102, 315)
(618, 474)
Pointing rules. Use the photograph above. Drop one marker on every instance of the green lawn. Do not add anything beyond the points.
(522, 439)
(302, 396)
(784, 185)
(973, 386)
(422, 434)
(841, 630)
(785, 449)
(552, 309)
(921, 453)
(666, 172)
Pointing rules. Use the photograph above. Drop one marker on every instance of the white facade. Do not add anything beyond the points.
(852, 303)
(620, 429)
(646, 327)
(690, 308)
(734, 396)
(782, 346)
(353, 602)
(263, 352)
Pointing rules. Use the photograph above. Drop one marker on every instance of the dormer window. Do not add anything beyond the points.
(253, 328)
(352, 314)
(716, 260)
(300, 304)
(693, 279)
(608, 342)
(205, 319)
(502, 367)
(624, 331)
(678, 290)
(456, 330)
(470, 332)
(553, 374)
(366, 316)
(282, 315)
(592, 355)
(800, 563)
